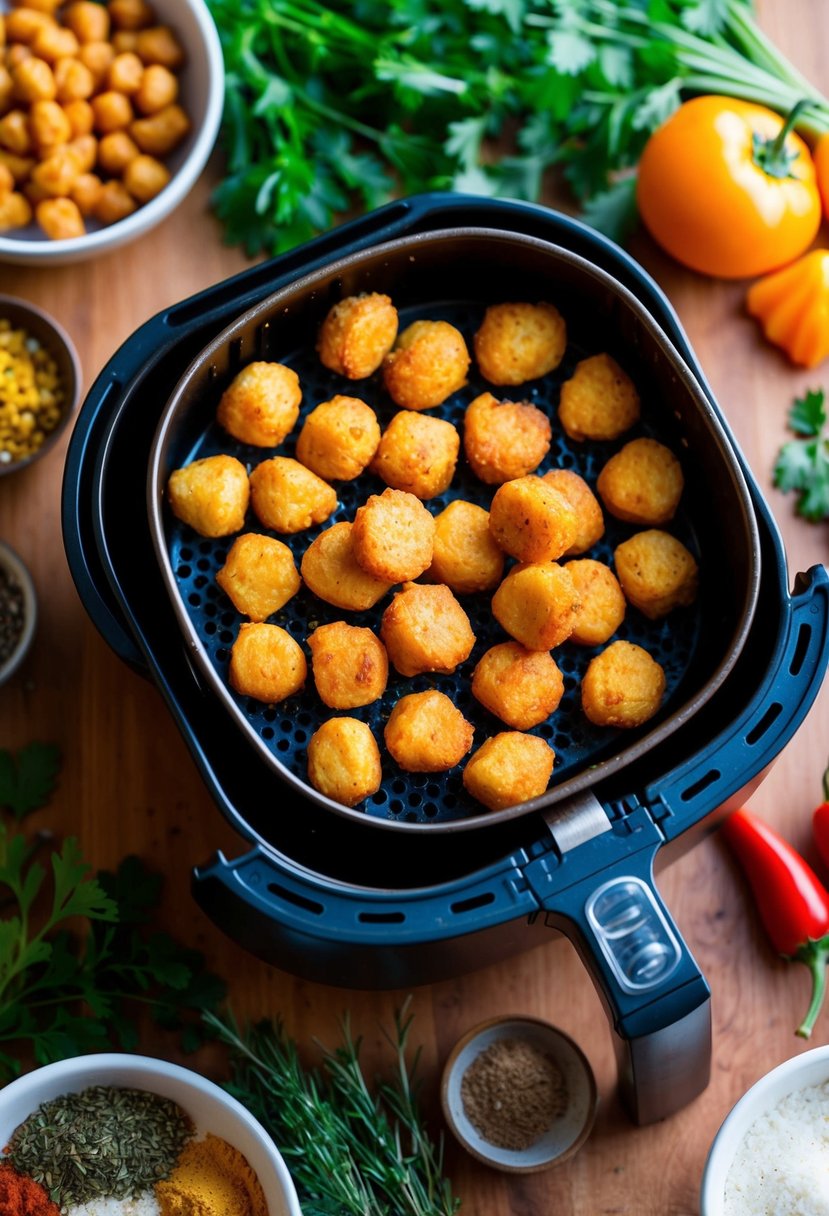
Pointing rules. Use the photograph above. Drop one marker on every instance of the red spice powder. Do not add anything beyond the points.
(22, 1196)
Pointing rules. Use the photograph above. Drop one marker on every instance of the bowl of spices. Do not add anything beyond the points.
(40, 383)
(519, 1094)
(771, 1153)
(18, 611)
(124, 1135)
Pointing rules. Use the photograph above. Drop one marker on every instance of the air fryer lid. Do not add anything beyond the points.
(696, 646)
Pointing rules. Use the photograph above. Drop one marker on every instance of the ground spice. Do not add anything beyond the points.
(21, 1196)
(211, 1178)
(11, 615)
(31, 393)
(512, 1093)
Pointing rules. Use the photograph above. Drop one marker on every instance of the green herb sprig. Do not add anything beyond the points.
(353, 1149)
(337, 106)
(802, 464)
(78, 955)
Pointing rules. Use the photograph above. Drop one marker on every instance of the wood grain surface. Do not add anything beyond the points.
(128, 783)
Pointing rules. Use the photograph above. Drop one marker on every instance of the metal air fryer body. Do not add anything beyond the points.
(307, 896)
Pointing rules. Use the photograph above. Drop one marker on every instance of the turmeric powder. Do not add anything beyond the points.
(211, 1178)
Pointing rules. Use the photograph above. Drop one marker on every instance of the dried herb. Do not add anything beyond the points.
(11, 615)
(512, 1093)
(104, 1142)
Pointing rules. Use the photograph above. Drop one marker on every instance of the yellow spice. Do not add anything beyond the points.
(211, 1178)
(31, 394)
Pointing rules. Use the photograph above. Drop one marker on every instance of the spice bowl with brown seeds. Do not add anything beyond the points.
(18, 611)
(199, 1145)
(519, 1094)
(40, 383)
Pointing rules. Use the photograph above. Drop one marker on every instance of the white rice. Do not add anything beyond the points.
(145, 1204)
(781, 1167)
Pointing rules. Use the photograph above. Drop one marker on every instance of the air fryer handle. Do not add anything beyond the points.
(657, 1000)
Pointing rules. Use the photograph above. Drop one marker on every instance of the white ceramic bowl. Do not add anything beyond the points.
(566, 1134)
(18, 573)
(202, 96)
(801, 1072)
(209, 1107)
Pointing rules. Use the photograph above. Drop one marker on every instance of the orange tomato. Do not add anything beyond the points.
(821, 159)
(792, 306)
(718, 196)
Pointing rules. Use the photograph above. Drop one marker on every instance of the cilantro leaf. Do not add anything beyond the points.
(808, 414)
(614, 211)
(802, 465)
(706, 17)
(27, 780)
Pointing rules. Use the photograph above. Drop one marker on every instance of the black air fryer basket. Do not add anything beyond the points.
(420, 884)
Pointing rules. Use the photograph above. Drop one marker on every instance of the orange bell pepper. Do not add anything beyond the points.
(792, 306)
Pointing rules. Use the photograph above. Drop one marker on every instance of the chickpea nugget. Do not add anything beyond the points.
(426, 733)
(357, 334)
(537, 605)
(417, 453)
(589, 517)
(261, 404)
(288, 497)
(339, 438)
(657, 572)
(428, 363)
(521, 687)
(642, 483)
(532, 521)
(330, 570)
(425, 629)
(599, 401)
(349, 665)
(504, 440)
(510, 768)
(259, 575)
(465, 555)
(211, 495)
(393, 536)
(518, 342)
(344, 761)
(602, 604)
(623, 686)
(266, 663)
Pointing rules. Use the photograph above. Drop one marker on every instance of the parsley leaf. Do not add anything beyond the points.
(27, 780)
(802, 465)
(613, 212)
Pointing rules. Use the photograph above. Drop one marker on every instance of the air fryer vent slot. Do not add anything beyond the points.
(701, 785)
(462, 906)
(768, 719)
(804, 637)
(381, 918)
(292, 897)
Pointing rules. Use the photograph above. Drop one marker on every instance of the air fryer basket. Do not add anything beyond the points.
(696, 646)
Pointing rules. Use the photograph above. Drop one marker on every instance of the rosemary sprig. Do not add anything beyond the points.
(352, 1151)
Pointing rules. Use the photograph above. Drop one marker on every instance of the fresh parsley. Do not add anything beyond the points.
(802, 464)
(78, 954)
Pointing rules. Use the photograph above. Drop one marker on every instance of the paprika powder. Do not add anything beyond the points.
(22, 1196)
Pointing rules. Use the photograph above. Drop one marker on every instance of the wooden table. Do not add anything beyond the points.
(128, 783)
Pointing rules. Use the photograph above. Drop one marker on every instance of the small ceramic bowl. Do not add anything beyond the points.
(210, 1108)
(44, 329)
(810, 1068)
(567, 1132)
(16, 573)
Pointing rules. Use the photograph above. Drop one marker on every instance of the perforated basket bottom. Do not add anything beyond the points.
(285, 729)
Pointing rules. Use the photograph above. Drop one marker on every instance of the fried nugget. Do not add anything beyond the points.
(426, 733)
(425, 629)
(465, 555)
(429, 362)
(623, 686)
(657, 572)
(521, 687)
(259, 575)
(602, 604)
(211, 495)
(417, 453)
(503, 440)
(266, 663)
(599, 401)
(338, 438)
(288, 497)
(537, 605)
(531, 520)
(349, 665)
(518, 342)
(357, 334)
(393, 536)
(261, 404)
(508, 769)
(642, 483)
(589, 517)
(344, 761)
(330, 569)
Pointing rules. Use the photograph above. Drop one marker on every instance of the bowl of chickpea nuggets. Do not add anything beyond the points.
(443, 560)
(108, 113)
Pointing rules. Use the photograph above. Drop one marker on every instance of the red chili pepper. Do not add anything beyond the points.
(820, 822)
(792, 902)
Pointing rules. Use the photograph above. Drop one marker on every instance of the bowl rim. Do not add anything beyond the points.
(13, 562)
(780, 1081)
(76, 1067)
(517, 1020)
(37, 252)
